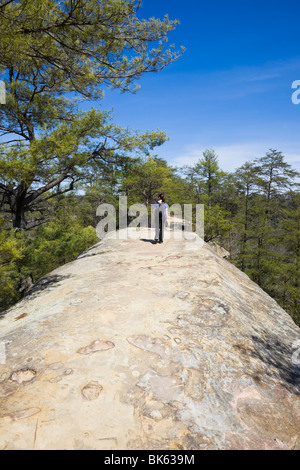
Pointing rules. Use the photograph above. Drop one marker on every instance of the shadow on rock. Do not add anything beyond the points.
(46, 282)
(278, 355)
(148, 241)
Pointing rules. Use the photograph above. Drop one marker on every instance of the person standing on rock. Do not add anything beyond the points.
(161, 217)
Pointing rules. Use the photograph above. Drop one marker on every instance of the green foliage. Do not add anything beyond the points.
(77, 45)
(287, 271)
(54, 55)
(59, 241)
(56, 244)
(251, 215)
(217, 222)
(36, 253)
(10, 255)
(147, 179)
(254, 213)
(268, 233)
(205, 177)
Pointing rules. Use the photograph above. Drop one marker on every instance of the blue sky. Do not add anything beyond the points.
(230, 91)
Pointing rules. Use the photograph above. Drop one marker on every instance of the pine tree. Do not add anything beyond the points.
(208, 171)
(246, 183)
(288, 269)
(275, 176)
(55, 54)
(147, 179)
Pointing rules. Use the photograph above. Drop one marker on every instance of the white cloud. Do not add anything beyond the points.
(232, 156)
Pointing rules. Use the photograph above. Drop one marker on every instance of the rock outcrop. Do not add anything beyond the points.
(142, 346)
(219, 249)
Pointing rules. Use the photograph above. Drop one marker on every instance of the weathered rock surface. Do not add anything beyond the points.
(142, 346)
(219, 249)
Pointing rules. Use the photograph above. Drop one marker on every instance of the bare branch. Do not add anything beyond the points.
(3, 5)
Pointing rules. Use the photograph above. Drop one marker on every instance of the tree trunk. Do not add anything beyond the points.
(17, 206)
(19, 220)
(259, 255)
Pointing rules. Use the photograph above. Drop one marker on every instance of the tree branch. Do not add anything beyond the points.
(46, 188)
(5, 188)
(71, 188)
(5, 4)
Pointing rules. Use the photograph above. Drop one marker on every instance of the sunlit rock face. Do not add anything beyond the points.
(142, 346)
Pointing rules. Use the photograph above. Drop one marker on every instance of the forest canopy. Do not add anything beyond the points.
(53, 55)
(58, 163)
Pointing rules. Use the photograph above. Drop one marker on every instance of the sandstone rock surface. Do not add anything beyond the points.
(143, 346)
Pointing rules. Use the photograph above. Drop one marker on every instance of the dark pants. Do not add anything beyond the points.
(159, 226)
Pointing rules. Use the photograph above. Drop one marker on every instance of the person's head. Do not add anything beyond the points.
(161, 197)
